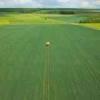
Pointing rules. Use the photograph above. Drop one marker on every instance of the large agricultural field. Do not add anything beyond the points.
(67, 69)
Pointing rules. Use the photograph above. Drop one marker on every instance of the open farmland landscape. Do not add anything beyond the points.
(68, 68)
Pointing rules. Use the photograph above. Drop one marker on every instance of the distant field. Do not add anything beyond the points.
(67, 70)
(11, 19)
(41, 18)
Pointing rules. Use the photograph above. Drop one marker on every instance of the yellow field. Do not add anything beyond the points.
(4, 21)
(92, 25)
(95, 26)
(28, 19)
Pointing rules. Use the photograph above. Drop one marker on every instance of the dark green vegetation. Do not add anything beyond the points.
(71, 71)
(49, 10)
(91, 18)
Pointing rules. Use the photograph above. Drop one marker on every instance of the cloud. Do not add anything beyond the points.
(80, 3)
(23, 1)
(20, 3)
(97, 2)
(86, 4)
(63, 1)
(51, 3)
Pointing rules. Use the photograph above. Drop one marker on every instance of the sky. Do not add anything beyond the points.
(50, 3)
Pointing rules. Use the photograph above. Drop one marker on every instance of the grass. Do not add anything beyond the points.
(74, 60)
(68, 18)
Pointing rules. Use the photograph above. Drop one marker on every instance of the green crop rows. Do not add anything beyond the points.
(71, 71)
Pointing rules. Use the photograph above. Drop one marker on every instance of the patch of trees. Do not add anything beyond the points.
(18, 10)
(47, 10)
(90, 20)
(66, 12)
(38, 10)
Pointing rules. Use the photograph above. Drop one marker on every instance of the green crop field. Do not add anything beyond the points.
(68, 69)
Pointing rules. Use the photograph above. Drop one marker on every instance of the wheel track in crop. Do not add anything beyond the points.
(46, 75)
